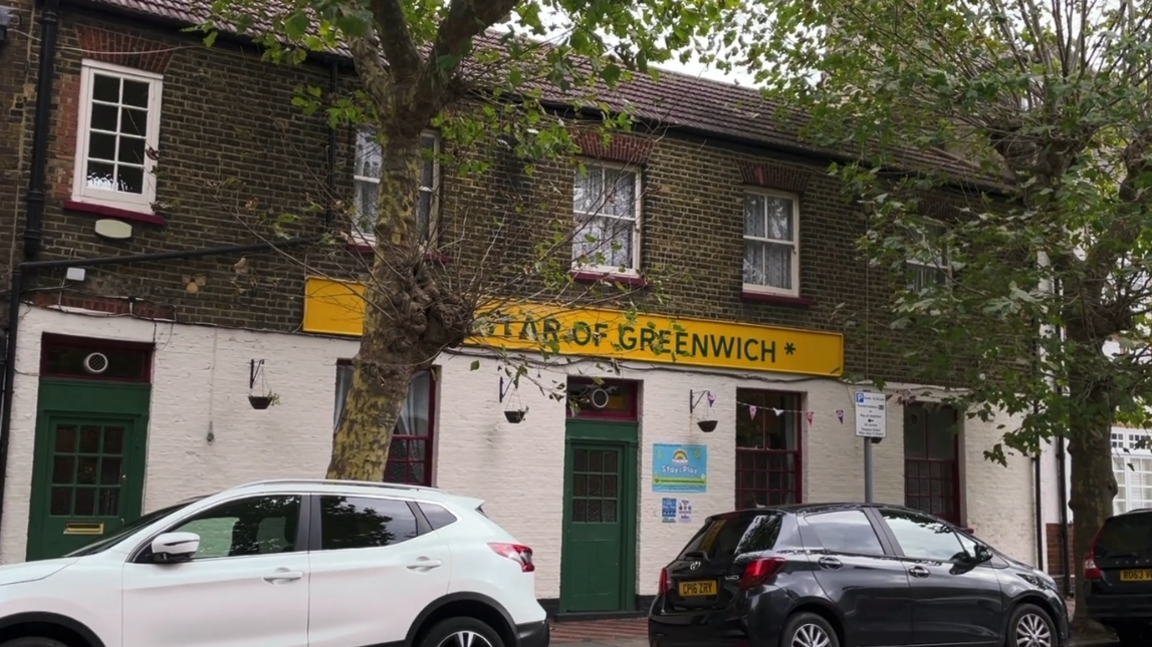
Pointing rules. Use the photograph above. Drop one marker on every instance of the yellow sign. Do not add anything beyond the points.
(338, 308)
(333, 307)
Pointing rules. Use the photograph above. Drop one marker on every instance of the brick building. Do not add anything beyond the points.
(161, 173)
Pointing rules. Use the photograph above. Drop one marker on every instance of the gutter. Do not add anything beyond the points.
(37, 181)
(20, 274)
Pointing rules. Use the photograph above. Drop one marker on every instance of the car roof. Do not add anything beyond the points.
(347, 487)
(816, 508)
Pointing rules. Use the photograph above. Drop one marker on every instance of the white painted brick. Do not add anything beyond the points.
(201, 375)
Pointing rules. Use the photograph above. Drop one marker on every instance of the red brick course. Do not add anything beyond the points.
(599, 630)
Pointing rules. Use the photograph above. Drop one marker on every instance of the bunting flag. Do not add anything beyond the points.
(752, 411)
(810, 415)
(840, 415)
(711, 399)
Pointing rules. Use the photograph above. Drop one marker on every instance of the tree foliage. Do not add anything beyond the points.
(1045, 252)
(481, 73)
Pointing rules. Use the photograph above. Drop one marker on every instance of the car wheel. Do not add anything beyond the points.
(809, 630)
(33, 642)
(459, 632)
(1030, 627)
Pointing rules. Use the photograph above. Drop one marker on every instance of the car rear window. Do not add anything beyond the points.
(730, 535)
(437, 516)
(1131, 533)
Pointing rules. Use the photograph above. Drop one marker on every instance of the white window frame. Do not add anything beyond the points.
(794, 243)
(1125, 451)
(369, 237)
(81, 192)
(942, 264)
(615, 270)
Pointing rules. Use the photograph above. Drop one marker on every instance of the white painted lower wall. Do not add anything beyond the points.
(200, 383)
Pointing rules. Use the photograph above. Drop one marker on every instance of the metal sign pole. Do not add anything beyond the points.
(871, 427)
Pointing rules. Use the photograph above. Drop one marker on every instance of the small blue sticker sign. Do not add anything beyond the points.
(668, 510)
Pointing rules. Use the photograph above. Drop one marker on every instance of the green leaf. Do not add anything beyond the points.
(296, 25)
(475, 365)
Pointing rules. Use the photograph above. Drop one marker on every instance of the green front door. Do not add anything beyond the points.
(87, 478)
(598, 571)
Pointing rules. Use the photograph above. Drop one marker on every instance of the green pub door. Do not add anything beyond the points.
(598, 552)
(91, 428)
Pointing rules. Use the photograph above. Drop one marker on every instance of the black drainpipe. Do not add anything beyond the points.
(20, 275)
(329, 211)
(34, 213)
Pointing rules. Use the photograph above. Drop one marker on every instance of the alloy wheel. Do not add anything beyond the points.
(465, 638)
(1033, 631)
(810, 635)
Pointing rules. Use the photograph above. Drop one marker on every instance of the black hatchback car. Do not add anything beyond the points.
(1118, 568)
(849, 575)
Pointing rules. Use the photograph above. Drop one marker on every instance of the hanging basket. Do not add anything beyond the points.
(707, 426)
(261, 402)
(515, 416)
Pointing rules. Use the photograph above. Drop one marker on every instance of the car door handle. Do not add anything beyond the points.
(919, 571)
(283, 575)
(829, 562)
(425, 564)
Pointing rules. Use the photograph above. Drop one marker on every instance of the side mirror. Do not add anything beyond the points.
(173, 547)
(982, 554)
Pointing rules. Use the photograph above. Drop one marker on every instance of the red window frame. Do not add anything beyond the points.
(628, 388)
(53, 341)
(762, 465)
(399, 461)
(923, 472)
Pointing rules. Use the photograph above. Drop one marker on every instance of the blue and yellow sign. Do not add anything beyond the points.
(333, 307)
(679, 468)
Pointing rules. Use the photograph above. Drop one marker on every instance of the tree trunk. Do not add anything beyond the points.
(1093, 483)
(397, 340)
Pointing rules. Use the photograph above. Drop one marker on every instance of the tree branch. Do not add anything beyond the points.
(396, 39)
(466, 19)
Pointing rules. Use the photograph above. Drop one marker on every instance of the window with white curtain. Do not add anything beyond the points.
(1132, 466)
(606, 205)
(410, 457)
(771, 249)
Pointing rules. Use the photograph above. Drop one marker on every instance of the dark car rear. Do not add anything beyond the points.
(847, 575)
(730, 555)
(1118, 567)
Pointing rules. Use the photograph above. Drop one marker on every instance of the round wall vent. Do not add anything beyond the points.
(96, 363)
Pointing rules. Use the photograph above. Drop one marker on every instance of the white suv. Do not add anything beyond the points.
(286, 563)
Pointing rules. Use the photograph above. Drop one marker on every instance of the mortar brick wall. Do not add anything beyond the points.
(16, 101)
(235, 153)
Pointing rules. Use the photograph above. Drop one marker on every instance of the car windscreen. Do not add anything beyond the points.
(127, 529)
(725, 536)
(1129, 534)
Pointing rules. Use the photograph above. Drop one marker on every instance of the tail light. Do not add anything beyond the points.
(1091, 570)
(665, 585)
(761, 571)
(522, 555)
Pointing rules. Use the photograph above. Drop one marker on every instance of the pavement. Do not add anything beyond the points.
(633, 632)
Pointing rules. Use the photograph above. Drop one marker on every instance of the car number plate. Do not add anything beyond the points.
(698, 589)
(1141, 575)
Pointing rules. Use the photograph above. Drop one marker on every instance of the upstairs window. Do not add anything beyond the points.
(366, 176)
(771, 250)
(928, 265)
(606, 208)
(117, 137)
